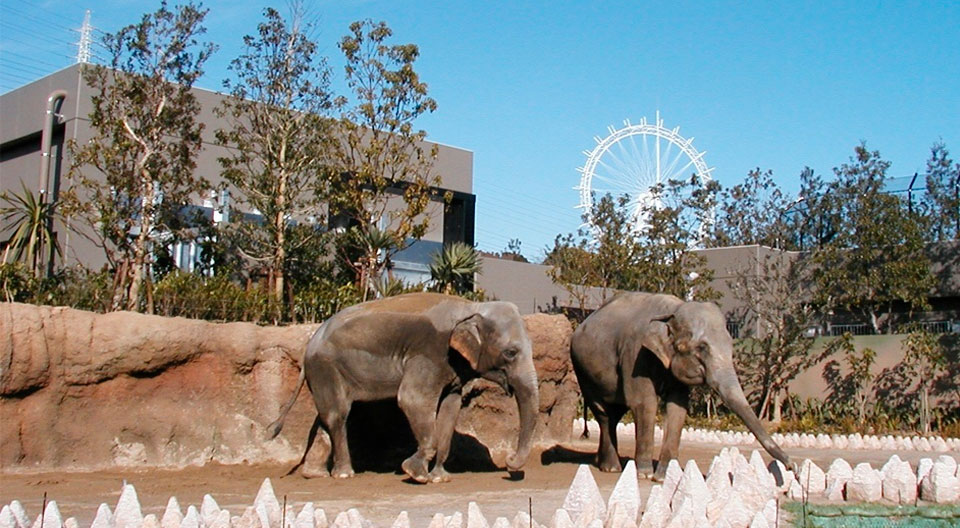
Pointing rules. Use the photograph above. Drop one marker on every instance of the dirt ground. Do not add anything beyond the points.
(380, 497)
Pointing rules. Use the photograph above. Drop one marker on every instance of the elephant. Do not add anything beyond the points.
(422, 349)
(640, 347)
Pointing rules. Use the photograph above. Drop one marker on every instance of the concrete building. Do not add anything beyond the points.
(38, 119)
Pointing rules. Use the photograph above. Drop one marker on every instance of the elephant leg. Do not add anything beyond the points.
(332, 408)
(677, 402)
(644, 407)
(446, 423)
(314, 461)
(418, 399)
(608, 416)
(335, 422)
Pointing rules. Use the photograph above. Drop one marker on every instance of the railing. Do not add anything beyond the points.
(933, 327)
(733, 329)
(852, 329)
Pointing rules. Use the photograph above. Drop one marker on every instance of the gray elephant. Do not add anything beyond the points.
(421, 348)
(639, 347)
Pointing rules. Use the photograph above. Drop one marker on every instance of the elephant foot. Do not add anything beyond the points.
(416, 468)
(439, 474)
(309, 473)
(610, 464)
(343, 472)
(645, 469)
(661, 472)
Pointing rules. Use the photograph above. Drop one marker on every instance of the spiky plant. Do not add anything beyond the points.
(30, 219)
(453, 268)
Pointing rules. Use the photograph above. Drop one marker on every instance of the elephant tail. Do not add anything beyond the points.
(274, 428)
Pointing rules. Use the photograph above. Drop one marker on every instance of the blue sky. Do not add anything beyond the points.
(527, 85)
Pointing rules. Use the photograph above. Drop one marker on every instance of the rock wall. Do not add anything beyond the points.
(85, 391)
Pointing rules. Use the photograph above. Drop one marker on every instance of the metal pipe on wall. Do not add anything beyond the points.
(50, 118)
(46, 138)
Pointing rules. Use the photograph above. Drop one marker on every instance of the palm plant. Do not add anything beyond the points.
(30, 219)
(453, 268)
(388, 286)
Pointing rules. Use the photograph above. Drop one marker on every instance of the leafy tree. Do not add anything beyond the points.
(386, 182)
(876, 257)
(453, 268)
(814, 220)
(604, 254)
(146, 137)
(513, 251)
(572, 267)
(278, 137)
(30, 220)
(776, 319)
(752, 212)
(943, 194)
(653, 253)
(677, 219)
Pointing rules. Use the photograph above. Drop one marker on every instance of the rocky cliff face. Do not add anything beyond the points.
(84, 391)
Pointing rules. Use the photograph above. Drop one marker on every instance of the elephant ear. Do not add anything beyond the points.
(465, 339)
(657, 339)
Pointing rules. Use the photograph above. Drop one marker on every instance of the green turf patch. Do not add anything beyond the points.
(872, 516)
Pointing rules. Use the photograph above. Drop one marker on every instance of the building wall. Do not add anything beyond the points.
(524, 284)
(22, 112)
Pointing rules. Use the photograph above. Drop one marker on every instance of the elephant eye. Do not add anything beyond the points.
(510, 353)
(703, 348)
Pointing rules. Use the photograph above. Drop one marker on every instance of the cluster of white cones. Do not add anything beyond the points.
(933, 444)
(736, 492)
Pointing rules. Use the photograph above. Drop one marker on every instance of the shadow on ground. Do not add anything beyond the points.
(380, 439)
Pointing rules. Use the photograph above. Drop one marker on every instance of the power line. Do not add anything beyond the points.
(530, 198)
(22, 79)
(522, 207)
(35, 62)
(42, 22)
(34, 7)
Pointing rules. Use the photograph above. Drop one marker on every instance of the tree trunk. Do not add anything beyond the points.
(120, 284)
(777, 403)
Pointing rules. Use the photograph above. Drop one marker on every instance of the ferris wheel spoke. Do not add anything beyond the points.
(615, 184)
(691, 162)
(629, 160)
(646, 177)
(628, 170)
(666, 171)
(671, 168)
(627, 178)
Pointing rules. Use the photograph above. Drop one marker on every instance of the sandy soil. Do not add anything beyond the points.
(379, 496)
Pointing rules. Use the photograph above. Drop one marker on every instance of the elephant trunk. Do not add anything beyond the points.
(728, 386)
(525, 387)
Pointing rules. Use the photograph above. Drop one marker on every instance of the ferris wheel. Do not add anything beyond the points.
(634, 159)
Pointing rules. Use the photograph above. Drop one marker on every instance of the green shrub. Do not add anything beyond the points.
(211, 298)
